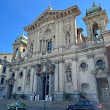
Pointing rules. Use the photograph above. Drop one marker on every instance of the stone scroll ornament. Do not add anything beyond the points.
(38, 69)
(68, 72)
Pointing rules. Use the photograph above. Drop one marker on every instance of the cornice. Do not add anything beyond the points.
(48, 15)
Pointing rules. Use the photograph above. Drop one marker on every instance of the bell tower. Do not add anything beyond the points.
(96, 21)
(19, 47)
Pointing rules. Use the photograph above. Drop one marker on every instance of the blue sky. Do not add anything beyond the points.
(16, 14)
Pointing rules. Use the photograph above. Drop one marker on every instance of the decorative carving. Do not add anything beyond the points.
(100, 72)
(90, 56)
(99, 62)
(48, 26)
(25, 67)
(11, 81)
(68, 72)
(84, 86)
(74, 59)
(45, 66)
(17, 69)
(67, 28)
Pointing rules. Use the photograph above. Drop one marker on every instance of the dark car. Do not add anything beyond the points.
(85, 105)
(16, 106)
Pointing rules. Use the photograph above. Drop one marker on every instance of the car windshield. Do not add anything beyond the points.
(85, 103)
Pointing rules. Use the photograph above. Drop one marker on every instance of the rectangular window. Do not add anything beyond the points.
(49, 45)
(40, 45)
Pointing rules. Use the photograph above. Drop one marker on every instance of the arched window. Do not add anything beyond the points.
(67, 38)
(13, 75)
(21, 74)
(96, 31)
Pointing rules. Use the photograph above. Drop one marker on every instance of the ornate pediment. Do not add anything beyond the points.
(44, 66)
(48, 15)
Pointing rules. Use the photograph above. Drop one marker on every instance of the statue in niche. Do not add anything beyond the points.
(67, 38)
(68, 73)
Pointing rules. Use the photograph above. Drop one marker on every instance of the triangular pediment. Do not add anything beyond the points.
(48, 15)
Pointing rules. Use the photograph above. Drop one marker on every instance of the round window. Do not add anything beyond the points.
(99, 63)
(83, 65)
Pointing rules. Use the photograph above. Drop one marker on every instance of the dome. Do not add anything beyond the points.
(21, 38)
(94, 9)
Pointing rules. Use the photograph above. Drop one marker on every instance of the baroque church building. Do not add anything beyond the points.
(57, 58)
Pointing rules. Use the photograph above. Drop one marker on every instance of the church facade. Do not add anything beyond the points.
(57, 58)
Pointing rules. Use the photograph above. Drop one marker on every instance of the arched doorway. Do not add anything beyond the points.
(45, 79)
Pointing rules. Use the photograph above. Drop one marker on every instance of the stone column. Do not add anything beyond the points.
(88, 31)
(103, 25)
(60, 36)
(31, 79)
(14, 54)
(41, 45)
(56, 37)
(50, 84)
(24, 79)
(75, 77)
(37, 44)
(35, 82)
(15, 88)
(61, 74)
(56, 80)
(61, 80)
(92, 79)
(73, 30)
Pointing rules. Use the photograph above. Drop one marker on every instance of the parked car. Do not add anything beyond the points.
(85, 105)
(16, 106)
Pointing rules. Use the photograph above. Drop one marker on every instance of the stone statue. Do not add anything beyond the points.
(68, 75)
(68, 72)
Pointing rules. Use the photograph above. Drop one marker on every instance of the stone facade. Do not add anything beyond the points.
(5, 58)
(59, 59)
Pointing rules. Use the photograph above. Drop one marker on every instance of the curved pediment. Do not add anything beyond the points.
(48, 15)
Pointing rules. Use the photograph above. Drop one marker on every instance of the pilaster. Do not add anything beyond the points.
(24, 79)
(75, 75)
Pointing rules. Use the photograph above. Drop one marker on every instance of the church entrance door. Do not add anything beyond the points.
(103, 89)
(45, 86)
